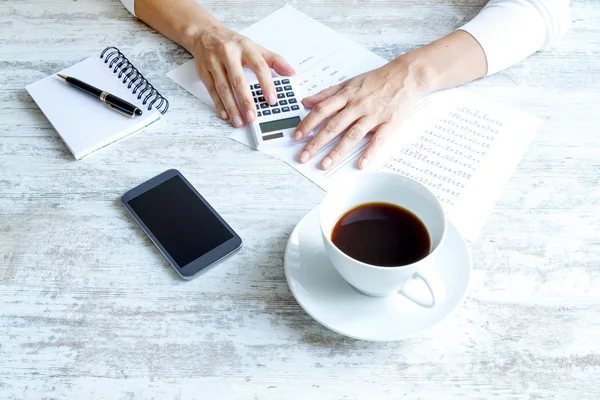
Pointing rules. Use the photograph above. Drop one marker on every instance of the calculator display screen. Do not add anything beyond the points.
(287, 123)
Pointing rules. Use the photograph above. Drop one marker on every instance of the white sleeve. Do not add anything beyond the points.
(129, 5)
(511, 30)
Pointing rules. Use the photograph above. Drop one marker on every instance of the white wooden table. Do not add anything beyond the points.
(89, 309)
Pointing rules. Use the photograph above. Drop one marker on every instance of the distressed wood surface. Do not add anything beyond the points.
(89, 309)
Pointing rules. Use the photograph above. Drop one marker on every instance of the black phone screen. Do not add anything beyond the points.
(185, 226)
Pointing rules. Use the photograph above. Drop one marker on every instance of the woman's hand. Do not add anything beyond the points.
(221, 56)
(375, 101)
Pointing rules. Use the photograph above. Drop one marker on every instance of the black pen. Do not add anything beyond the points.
(113, 102)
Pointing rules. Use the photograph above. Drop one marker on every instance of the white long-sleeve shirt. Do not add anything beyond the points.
(509, 30)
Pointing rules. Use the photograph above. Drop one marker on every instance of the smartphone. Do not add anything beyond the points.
(186, 229)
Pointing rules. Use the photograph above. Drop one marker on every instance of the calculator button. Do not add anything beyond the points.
(257, 86)
(261, 99)
(279, 89)
(264, 105)
(266, 112)
(257, 107)
(259, 92)
(295, 108)
(283, 103)
(292, 101)
(280, 96)
(259, 114)
(277, 83)
(286, 109)
(288, 87)
(285, 81)
(276, 111)
(251, 88)
(290, 94)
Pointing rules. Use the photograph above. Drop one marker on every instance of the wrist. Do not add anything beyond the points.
(193, 32)
(448, 62)
(419, 75)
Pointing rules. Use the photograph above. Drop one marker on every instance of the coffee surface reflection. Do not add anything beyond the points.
(381, 234)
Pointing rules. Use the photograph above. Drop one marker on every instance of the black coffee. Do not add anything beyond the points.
(381, 234)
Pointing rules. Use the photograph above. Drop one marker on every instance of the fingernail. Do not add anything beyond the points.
(304, 156)
(326, 163)
(272, 99)
(363, 163)
(297, 135)
(250, 115)
(223, 114)
(237, 121)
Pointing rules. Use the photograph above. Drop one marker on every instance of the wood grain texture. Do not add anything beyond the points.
(90, 310)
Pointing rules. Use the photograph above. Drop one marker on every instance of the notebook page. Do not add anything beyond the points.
(84, 123)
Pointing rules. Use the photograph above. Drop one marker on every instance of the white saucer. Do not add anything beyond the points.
(334, 303)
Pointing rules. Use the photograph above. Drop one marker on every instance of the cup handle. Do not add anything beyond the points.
(428, 282)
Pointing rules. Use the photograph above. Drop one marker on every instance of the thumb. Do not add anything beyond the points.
(278, 63)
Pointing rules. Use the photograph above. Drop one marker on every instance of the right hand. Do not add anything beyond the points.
(221, 56)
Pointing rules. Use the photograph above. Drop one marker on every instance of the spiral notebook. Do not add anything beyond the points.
(84, 123)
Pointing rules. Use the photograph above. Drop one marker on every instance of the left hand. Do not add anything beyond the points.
(374, 101)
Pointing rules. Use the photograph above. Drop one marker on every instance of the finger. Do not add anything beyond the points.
(240, 86)
(278, 63)
(358, 131)
(318, 114)
(383, 133)
(333, 128)
(225, 92)
(263, 73)
(311, 101)
(209, 83)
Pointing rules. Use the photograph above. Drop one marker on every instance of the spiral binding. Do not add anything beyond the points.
(119, 63)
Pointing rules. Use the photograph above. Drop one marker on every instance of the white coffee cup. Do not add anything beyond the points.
(393, 188)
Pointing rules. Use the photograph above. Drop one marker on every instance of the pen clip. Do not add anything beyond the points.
(120, 111)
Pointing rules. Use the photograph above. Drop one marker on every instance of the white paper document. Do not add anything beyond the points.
(465, 150)
(461, 146)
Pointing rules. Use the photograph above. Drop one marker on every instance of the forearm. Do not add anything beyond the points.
(448, 62)
(181, 21)
(502, 34)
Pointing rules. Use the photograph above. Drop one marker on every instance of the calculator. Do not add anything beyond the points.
(275, 125)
